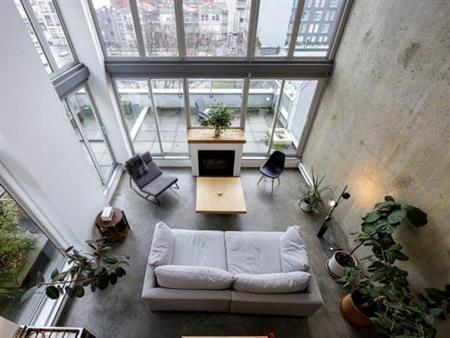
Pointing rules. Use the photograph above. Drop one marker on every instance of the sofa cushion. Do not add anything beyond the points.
(199, 248)
(253, 252)
(284, 282)
(162, 250)
(193, 277)
(293, 251)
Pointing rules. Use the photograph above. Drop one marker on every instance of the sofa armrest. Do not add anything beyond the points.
(149, 281)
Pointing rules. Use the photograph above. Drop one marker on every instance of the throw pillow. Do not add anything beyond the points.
(193, 277)
(163, 243)
(284, 282)
(293, 251)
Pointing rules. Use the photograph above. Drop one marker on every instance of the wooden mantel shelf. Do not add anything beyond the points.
(206, 135)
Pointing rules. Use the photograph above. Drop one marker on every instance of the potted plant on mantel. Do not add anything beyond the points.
(381, 294)
(376, 232)
(219, 117)
(311, 199)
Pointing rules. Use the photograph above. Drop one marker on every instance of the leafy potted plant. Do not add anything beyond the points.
(14, 244)
(312, 198)
(381, 294)
(377, 228)
(219, 117)
(96, 270)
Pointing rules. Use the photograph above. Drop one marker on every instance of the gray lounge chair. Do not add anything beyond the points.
(202, 108)
(148, 177)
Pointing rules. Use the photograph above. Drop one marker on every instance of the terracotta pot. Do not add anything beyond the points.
(336, 269)
(352, 314)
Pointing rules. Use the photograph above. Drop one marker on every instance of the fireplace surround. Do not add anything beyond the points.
(216, 156)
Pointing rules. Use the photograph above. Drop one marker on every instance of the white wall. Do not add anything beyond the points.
(39, 151)
(81, 29)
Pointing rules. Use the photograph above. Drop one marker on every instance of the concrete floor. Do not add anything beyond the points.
(119, 312)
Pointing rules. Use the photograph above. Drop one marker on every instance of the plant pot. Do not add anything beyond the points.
(353, 314)
(307, 208)
(216, 132)
(336, 264)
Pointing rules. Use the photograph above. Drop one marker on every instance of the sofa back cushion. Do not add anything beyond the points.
(193, 277)
(253, 252)
(199, 248)
(285, 282)
(163, 243)
(293, 251)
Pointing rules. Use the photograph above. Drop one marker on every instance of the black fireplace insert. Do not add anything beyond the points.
(216, 162)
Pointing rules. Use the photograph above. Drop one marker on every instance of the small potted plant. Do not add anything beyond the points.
(376, 227)
(219, 117)
(312, 198)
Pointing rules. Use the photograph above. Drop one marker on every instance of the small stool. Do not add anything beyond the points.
(114, 230)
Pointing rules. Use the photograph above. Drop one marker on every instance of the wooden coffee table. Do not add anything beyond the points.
(220, 195)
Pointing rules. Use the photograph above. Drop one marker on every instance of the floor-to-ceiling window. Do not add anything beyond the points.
(205, 94)
(173, 61)
(91, 133)
(25, 252)
(172, 122)
(261, 107)
(47, 32)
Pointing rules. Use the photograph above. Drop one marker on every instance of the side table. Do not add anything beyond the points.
(114, 230)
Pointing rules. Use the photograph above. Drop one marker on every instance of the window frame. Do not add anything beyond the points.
(251, 38)
(55, 70)
(103, 180)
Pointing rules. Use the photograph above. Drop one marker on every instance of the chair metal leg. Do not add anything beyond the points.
(278, 178)
(271, 192)
(262, 176)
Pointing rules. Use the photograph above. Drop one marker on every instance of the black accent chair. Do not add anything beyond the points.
(274, 167)
(148, 177)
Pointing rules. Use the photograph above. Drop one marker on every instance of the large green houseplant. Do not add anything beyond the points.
(380, 293)
(14, 243)
(96, 270)
(220, 117)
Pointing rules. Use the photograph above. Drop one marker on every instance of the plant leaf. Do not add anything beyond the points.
(416, 216)
(396, 216)
(79, 291)
(371, 217)
(52, 292)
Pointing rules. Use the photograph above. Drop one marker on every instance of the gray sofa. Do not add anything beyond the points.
(236, 252)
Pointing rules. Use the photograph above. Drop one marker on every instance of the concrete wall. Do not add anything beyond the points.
(383, 124)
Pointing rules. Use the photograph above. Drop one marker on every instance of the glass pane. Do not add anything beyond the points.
(205, 93)
(137, 112)
(33, 36)
(80, 139)
(169, 102)
(158, 27)
(216, 27)
(49, 23)
(274, 27)
(318, 26)
(81, 106)
(116, 25)
(262, 100)
(24, 251)
(294, 108)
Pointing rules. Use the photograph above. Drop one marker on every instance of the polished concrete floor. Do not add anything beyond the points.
(119, 312)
